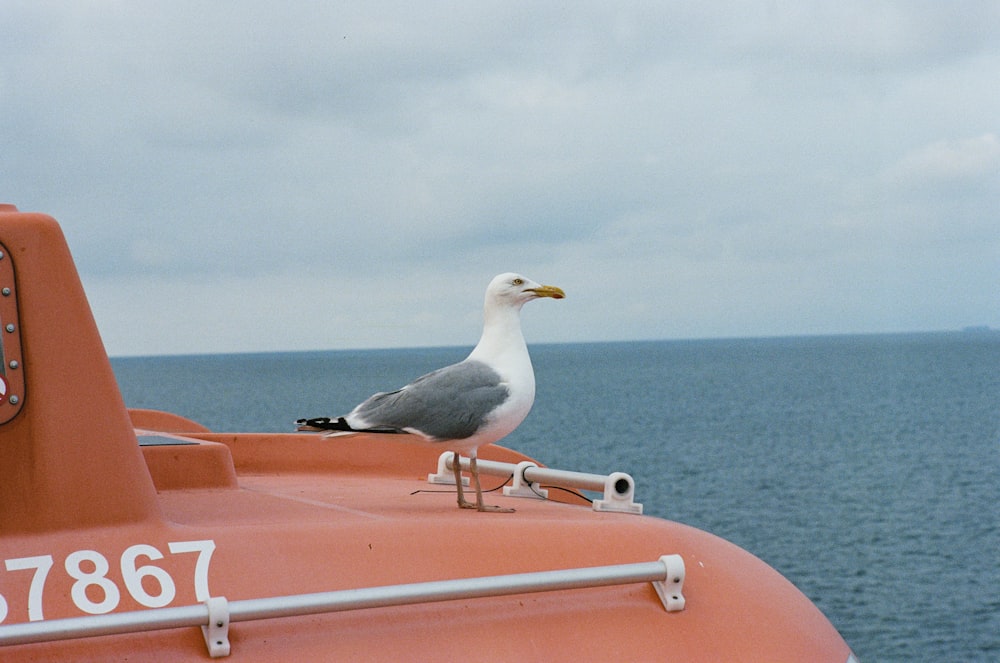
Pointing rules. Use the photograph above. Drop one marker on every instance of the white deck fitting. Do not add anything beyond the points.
(528, 477)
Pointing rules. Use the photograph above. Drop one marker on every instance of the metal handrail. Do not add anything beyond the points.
(528, 477)
(215, 615)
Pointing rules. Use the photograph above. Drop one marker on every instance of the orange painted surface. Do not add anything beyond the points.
(298, 513)
(69, 457)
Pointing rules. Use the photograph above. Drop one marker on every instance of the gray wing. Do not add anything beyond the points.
(451, 403)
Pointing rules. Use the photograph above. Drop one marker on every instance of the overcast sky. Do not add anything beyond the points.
(246, 176)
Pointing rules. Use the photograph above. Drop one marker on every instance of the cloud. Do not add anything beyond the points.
(947, 161)
(709, 169)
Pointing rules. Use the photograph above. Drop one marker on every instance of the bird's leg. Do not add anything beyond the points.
(456, 467)
(474, 468)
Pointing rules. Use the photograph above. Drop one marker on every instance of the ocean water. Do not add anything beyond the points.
(866, 469)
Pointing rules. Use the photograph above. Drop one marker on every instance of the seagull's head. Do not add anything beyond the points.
(514, 290)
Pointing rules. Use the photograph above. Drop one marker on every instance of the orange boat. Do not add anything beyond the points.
(141, 535)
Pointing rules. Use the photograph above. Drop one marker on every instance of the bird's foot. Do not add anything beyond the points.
(493, 508)
(465, 504)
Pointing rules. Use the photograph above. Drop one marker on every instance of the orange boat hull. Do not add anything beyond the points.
(92, 523)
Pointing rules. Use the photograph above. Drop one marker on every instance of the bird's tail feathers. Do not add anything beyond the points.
(324, 425)
(338, 426)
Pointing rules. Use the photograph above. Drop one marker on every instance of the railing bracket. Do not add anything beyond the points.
(671, 588)
(216, 632)
(522, 487)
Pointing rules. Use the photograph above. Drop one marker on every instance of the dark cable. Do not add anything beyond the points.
(491, 490)
(565, 490)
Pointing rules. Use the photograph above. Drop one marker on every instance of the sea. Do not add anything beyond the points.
(865, 469)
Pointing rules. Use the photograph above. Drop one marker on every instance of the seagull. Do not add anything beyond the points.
(465, 405)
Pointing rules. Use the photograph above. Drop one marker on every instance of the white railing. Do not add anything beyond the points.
(528, 477)
(214, 616)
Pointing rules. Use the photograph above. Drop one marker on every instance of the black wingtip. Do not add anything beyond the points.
(324, 423)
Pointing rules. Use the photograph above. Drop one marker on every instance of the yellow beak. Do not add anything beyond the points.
(549, 291)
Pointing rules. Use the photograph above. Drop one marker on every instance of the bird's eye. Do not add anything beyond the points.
(518, 282)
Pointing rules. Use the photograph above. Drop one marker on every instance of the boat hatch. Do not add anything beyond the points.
(216, 614)
(162, 441)
(11, 372)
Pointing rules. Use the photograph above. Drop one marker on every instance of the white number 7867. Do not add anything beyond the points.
(132, 575)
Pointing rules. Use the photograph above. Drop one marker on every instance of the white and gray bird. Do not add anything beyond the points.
(469, 404)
